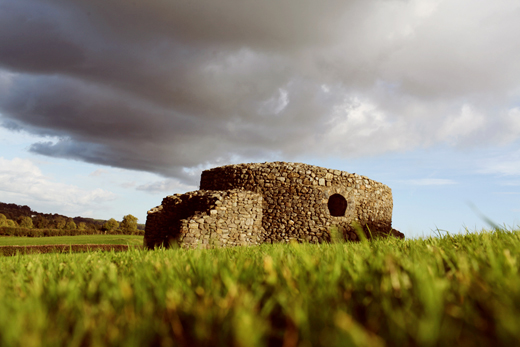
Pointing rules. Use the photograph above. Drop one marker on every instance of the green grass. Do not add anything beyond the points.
(452, 290)
(73, 240)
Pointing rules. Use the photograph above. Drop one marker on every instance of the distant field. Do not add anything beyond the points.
(460, 290)
(132, 240)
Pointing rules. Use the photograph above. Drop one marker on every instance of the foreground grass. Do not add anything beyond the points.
(460, 290)
(73, 240)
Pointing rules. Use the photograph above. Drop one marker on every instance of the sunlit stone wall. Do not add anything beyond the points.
(205, 219)
(284, 202)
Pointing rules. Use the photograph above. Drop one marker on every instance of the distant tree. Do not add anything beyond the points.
(129, 224)
(60, 222)
(25, 222)
(110, 225)
(82, 226)
(40, 222)
(3, 220)
(70, 225)
(25, 209)
(11, 223)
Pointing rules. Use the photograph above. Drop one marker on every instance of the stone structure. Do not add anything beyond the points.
(250, 204)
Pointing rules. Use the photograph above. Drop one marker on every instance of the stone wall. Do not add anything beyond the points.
(272, 202)
(296, 199)
(206, 219)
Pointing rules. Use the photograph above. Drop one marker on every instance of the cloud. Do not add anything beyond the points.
(166, 87)
(464, 124)
(22, 180)
(168, 185)
(502, 165)
(128, 184)
(510, 183)
(97, 173)
(431, 182)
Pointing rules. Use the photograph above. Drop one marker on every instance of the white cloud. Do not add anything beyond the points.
(505, 167)
(510, 183)
(507, 164)
(356, 118)
(511, 128)
(359, 126)
(275, 104)
(462, 125)
(98, 172)
(166, 186)
(22, 180)
(425, 8)
(128, 184)
(430, 182)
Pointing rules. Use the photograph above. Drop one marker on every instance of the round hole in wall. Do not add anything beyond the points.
(337, 205)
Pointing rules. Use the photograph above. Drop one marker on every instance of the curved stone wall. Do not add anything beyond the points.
(296, 198)
(206, 219)
(249, 204)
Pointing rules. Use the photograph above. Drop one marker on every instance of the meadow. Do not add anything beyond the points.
(442, 291)
(73, 240)
(35, 232)
(67, 244)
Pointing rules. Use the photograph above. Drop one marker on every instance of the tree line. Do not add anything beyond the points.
(22, 217)
(127, 226)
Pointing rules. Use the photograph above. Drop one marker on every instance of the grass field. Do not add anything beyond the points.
(73, 240)
(451, 290)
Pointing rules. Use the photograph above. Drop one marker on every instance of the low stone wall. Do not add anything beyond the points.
(204, 219)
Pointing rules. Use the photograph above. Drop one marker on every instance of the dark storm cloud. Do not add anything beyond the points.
(31, 41)
(172, 86)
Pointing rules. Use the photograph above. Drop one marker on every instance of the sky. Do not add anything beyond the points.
(106, 107)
